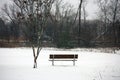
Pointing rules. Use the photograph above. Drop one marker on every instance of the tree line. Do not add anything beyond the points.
(62, 25)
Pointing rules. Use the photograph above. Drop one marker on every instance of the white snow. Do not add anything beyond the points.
(17, 63)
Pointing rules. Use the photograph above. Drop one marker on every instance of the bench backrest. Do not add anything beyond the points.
(63, 56)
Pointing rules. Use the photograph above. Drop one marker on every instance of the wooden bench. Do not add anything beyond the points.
(63, 57)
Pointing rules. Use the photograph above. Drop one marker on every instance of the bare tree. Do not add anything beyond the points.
(79, 29)
(114, 21)
(61, 18)
(10, 15)
(103, 14)
(109, 12)
(84, 12)
(32, 16)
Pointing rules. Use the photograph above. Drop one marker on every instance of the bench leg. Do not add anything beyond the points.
(73, 63)
(52, 62)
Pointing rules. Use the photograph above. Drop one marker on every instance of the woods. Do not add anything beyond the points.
(53, 23)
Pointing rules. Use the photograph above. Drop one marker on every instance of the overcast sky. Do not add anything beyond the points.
(91, 6)
(3, 2)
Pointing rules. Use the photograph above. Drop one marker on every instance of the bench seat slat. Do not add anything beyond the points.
(62, 56)
(62, 60)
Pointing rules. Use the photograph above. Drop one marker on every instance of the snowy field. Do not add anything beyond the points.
(17, 63)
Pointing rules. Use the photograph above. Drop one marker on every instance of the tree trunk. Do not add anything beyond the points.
(35, 58)
(79, 28)
(113, 25)
(35, 62)
(35, 55)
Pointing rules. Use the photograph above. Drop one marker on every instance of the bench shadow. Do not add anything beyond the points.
(63, 66)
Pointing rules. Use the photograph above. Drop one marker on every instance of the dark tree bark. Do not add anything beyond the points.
(79, 28)
(113, 24)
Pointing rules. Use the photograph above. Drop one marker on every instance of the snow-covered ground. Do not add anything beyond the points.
(17, 63)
